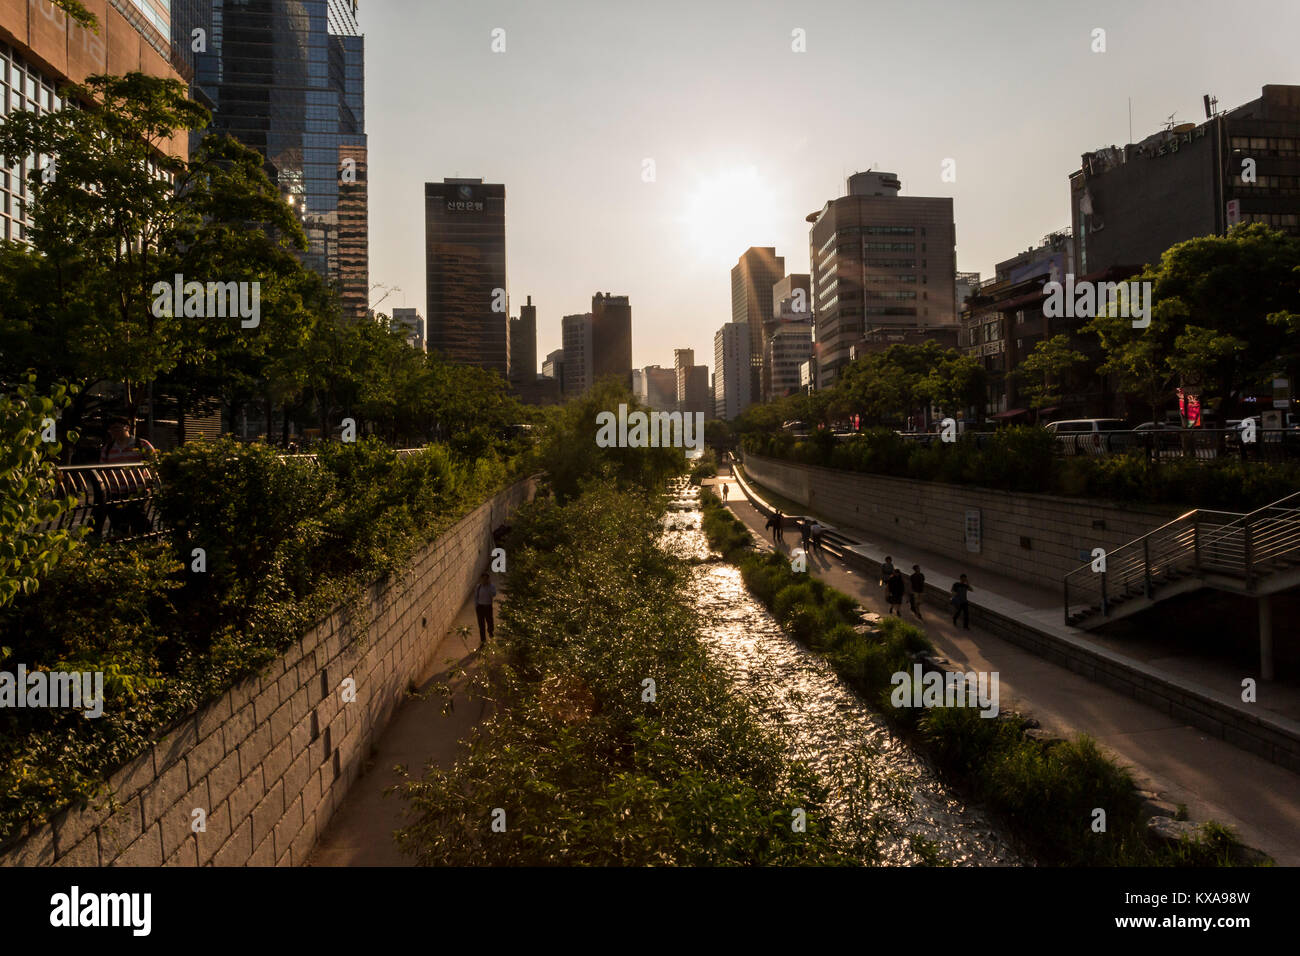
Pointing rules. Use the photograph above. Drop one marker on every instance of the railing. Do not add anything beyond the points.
(116, 502)
(1243, 546)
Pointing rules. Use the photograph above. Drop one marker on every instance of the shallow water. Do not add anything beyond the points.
(879, 783)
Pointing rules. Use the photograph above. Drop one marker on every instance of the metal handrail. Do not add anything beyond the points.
(1236, 546)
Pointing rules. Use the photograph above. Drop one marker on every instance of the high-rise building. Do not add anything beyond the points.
(694, 392)
(789, 340)
(611, 337)
(553, 368)
(579, 370)
(41, 49)
(523, 344)
(412, 322)
(787, 349)
(1129, 205)
(465, 272)
(880, 262)
(287, 78)
(655, 387)
(752, 278)
(732, 370)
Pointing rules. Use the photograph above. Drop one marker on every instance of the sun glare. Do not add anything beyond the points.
(728, 212)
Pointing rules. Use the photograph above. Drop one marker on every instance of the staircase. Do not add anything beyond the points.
(1256, 554)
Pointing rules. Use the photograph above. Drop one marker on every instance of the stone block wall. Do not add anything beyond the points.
(270, 760)
(1033, 538)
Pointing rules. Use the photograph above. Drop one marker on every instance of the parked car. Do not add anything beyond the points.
(1090, 436)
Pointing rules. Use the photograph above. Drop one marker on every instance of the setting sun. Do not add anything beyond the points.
(728, 212)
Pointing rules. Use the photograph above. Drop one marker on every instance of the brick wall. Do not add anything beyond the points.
(271, 760)
(932, 516)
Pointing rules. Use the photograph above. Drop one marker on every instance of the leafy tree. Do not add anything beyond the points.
(1045, 369)
(1220, 317)
(28, 486)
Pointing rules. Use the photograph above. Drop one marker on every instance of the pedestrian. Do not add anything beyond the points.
(960, 602)
(771, 526)
(724, 492)
(780, 526)
(817, 531)
(894, 588)
(886, 570)
(124, 488)
(917, 590)
(483, 595)
(805, 533)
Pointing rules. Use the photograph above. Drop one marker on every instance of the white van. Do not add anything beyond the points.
(1087, 436)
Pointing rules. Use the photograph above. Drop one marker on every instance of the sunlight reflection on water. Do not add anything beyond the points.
(821, 719)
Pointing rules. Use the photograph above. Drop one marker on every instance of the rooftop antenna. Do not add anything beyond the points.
(1211, 105)
(1130, 119)
(1170, 121)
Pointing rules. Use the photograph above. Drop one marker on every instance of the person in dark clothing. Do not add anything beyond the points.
(780, 527)
(724, 492)
(771, 526)
(894, 588)
(917, 590)
(805, 533)
(886, 570)
(483, 595)
(960, 602)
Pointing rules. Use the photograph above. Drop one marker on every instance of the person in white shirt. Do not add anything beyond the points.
(483, 595)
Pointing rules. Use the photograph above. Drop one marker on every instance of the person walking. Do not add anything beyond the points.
(815, 532)
(805, 533)
(886, 570)
(724, 492)
(483, 595)
(771, 526)
(960, 601)
(780, 527)
(894, 588)
(916, 591)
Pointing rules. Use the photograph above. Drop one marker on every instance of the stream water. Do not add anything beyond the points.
(879, 784)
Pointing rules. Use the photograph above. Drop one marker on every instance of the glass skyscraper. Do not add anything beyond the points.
(287, 78)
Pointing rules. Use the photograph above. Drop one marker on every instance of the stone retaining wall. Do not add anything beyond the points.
(1033, 538)
(270, 761)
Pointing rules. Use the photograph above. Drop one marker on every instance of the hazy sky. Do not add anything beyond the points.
(748, 137)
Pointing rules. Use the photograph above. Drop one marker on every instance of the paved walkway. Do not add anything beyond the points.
(1178, 762)
(361, 831)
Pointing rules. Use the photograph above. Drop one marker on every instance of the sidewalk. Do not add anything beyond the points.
(1181, 764)
(361, 831)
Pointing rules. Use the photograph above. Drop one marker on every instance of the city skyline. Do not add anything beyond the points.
(765, 126)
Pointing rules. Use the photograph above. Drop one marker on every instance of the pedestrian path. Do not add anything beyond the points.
(361, 831)
(1179, 763)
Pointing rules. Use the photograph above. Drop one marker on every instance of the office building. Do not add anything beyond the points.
(880, 262)
(611, 338)
(655, 387)
(465, 272)
(694, 391)
(789, 347)
(732, 370)
(412, 322)
(553, 368)
(41, 49)
(576, 339)
(523, 344)
(1003, 322)
(752, 278)
(1128, 205)
(287, 78)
